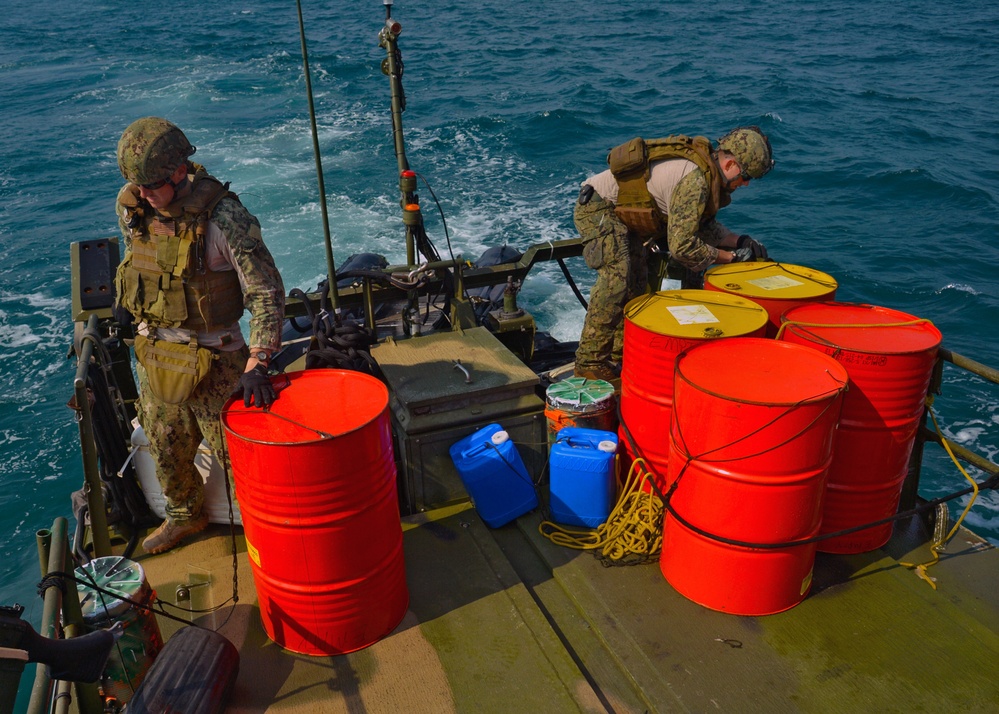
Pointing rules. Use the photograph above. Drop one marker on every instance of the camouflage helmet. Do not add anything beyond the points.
(151, 149)
(751, 148)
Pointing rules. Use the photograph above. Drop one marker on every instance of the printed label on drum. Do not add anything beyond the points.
(775, 282)
(865, 359)
(692, 314)
(253, 553)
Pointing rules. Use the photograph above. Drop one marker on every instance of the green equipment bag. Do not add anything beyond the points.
(174, 369)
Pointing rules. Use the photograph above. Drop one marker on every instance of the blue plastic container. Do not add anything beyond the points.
(494, 475)
(583, 484)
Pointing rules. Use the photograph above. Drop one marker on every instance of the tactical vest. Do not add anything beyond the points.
(164, 279)
(630, 165)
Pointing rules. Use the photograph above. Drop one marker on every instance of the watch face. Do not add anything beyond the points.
(261, 356)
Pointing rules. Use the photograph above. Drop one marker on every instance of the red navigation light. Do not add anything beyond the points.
(412, 207)
(408, 174)
(392, 26)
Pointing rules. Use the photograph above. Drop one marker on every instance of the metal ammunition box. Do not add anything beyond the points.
(445, 386)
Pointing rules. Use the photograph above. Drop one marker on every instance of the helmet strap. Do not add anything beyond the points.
(177, 187)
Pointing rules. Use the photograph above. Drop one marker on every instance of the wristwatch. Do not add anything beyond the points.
(261, 356)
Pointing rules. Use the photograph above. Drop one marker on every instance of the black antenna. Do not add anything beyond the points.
(330, 265)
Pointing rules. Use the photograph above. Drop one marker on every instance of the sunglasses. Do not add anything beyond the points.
(155, 184)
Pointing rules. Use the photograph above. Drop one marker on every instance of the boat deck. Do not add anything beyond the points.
(503, 620)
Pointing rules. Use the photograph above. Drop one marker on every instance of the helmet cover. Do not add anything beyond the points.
(151, 149)
(751, 148)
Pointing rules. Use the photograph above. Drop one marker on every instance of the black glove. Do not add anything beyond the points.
(257, 388)
(758, 250)
(122, 316)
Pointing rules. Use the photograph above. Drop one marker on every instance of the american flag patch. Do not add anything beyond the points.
(161, 227)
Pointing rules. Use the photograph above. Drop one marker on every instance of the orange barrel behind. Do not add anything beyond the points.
(657, 328)
(752, 440)
(580, 402)
(889, 356)
(316, 482)
(778, 287)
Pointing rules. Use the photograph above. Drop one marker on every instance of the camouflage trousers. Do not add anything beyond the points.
(622, 274)
(175, 431)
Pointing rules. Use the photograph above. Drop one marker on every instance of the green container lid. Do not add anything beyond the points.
(119, 576)
(579, 394)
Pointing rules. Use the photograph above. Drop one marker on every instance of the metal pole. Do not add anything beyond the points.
(983, 371)
(330, 264)
(44, 541)
(54, 546)
(91, 469)
(87, 695)
(393, 68)
(41, 690)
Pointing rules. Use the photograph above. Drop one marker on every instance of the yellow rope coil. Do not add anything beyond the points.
(633, 528)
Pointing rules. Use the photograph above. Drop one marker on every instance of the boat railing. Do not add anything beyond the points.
(929, 433)
(61, 605)
(467, 277)
(89, 341)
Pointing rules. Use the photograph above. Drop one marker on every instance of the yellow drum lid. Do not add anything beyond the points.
(696, 314)
(771, 281)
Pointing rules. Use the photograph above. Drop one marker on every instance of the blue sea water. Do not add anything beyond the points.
(881, 118)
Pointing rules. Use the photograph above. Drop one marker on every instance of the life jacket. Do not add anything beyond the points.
(630, 165)
(163, 279)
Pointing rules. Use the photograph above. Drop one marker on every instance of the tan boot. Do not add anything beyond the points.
(598, 372)
(171, 533)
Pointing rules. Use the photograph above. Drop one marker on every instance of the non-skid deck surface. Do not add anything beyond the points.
(504, 621)
(473, 639)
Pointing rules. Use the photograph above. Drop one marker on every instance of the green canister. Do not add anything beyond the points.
(581, 402)
(113, 590)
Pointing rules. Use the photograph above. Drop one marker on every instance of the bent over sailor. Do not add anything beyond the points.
(659, 195)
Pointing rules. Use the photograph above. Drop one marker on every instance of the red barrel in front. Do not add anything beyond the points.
(889, 356)
(753, 431)
(657, 328)
(777, 287)
(316, 482)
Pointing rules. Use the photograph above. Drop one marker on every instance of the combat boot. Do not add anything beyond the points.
(171, 533)
(604, 372)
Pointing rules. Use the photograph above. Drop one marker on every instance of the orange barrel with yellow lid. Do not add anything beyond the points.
(889, 356)
(778, 287)
(657, 328)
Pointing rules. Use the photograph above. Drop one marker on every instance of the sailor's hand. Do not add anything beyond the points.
(257, 388)
(757, 249)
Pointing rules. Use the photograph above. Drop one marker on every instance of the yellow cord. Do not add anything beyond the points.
(794, 323)
(634, 526)
(935, 549)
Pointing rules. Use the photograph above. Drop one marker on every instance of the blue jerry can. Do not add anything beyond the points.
(583, 484)
(494, 475)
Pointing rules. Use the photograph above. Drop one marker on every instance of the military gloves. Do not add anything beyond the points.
(257, 388)
(748, 250)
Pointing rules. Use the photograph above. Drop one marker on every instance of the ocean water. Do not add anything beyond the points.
(881, 120)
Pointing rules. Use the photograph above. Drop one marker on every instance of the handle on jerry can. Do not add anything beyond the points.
(576, 442)
(499, 437)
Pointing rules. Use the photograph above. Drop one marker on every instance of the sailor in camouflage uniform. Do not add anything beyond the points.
(659, 193)
(194, 260)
